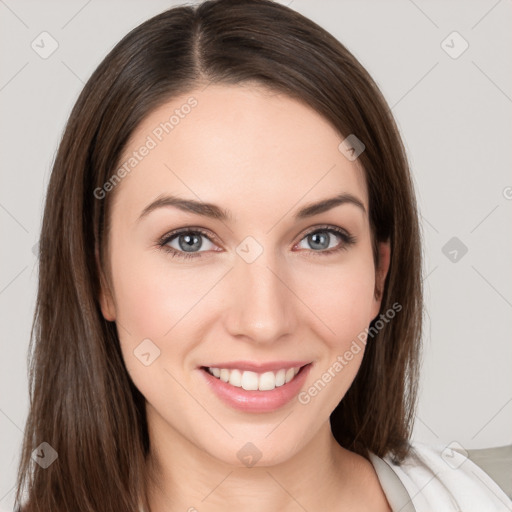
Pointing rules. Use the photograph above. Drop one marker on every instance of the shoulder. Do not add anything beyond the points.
(442, 479)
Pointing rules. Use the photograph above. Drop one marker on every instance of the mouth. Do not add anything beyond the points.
(266, 390)
(253, 381)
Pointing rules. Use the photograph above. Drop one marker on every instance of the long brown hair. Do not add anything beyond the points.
(82, 400)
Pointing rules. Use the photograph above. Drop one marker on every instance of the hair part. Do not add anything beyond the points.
(82, 400)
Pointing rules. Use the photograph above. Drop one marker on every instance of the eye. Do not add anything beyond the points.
(186, 243)
(322, 240)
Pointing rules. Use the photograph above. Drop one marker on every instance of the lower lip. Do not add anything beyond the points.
(257, 401)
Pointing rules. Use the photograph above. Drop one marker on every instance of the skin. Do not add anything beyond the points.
(262, 156)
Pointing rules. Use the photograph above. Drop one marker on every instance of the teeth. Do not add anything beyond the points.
(252, 381)
(235, 378)
(249, 381)
(280, 377)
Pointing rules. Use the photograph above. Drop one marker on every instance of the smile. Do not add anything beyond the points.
(252, 381)
(256, 388)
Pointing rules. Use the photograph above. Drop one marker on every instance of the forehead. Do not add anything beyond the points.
(245, 146)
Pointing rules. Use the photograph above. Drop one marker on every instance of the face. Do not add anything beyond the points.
(252, 286)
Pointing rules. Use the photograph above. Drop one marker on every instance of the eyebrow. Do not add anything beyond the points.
(215, 212)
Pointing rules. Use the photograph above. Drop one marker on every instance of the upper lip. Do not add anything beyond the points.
(258, 367)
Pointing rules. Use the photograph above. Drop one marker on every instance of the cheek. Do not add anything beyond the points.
(153, 294)
(149, 302)
(155, 303)
(341, 297)
(159, 300)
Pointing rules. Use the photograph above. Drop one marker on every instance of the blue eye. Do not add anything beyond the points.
(188, 242)
(322, 237)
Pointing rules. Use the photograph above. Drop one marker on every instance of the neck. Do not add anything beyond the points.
(186, 478)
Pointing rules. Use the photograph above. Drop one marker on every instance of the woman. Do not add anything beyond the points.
(229, 305)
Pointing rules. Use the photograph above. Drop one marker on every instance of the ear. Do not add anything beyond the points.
(380, 275)
(106, 300)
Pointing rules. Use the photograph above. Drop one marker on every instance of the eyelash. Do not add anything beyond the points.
(347, 241)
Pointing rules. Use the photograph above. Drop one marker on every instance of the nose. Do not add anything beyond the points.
(262, 306)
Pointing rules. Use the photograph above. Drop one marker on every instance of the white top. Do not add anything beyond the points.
(438, 479)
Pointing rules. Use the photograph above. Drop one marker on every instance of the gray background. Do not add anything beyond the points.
(454, 112)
